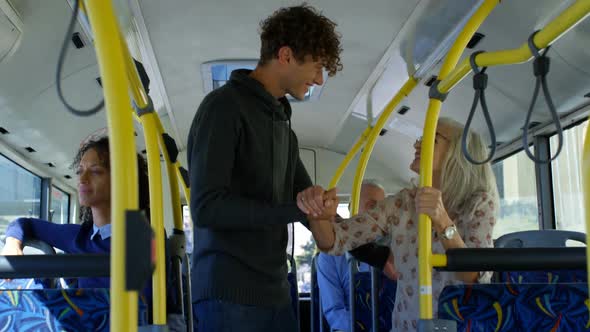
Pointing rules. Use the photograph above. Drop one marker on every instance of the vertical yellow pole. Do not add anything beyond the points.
(124, 304)
(424, 224)
(156, 216)
(425, 258)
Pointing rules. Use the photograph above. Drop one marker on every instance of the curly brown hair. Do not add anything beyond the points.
(101, 146)
(306, 31)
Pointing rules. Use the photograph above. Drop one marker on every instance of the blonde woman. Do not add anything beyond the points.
(462, 204)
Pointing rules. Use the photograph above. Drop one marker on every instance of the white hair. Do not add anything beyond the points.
(460, 178)
(373, 182)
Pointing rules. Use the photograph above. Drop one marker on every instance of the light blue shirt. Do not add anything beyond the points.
(333, 280)
(105, 231)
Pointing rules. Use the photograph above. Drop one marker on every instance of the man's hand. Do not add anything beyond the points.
(314, 200)
(330, 206)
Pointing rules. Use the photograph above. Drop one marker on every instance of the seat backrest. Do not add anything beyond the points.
(318, 321)
(59, 310)
(541, 239)
(363, 299)
(516, 307)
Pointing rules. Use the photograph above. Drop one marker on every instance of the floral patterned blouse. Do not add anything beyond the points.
(396, 218)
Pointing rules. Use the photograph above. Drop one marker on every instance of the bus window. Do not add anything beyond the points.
(343, 210)
(60, 206)
(567, 179)
(188, 228)
(20, 193)
(303, 251)
(515, 178)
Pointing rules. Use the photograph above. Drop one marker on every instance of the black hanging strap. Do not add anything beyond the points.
(480, 82)
(541, 69)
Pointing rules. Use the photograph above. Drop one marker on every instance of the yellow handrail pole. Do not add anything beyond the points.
(124, 304)
(424, 223)
(425, 257)
(571, 16)
(172, 179)
(138, 93)
(405, 90)
(156, 216)
(186, 190)
(141, 100)
(586, 179)
(348, 158)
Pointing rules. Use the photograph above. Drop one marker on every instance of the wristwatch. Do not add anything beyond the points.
(449, 232)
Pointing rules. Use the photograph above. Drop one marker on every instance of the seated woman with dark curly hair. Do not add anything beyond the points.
(93, 234)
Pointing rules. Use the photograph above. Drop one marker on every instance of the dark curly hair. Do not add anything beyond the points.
(306, 31)
(101, 146)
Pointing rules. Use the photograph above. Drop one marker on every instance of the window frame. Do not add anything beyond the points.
(69, 196)
(543, 172)
(547, 137)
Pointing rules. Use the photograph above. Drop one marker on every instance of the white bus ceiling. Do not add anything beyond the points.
(173, 38)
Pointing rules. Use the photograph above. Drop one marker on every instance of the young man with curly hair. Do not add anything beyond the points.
(245, 173)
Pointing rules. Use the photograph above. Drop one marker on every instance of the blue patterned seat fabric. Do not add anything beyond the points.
(517, 307)
(58, 310)
(549, 277)
(363, 307)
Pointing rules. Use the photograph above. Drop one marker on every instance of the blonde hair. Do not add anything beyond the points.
(460, 178)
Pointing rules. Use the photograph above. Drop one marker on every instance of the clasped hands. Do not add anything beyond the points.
(318, 203)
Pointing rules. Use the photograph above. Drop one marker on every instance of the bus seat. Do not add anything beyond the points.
(318, 321)
(28, 283)
(554, 276)
(544, 239)
(59, 310)
(363, 309)
(540, 238)
(516, 307)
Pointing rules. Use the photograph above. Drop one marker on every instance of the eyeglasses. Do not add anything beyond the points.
(419, 140)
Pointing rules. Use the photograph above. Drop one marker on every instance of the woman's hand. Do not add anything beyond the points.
(429, 202)
(311, 201)
(321, 225)
(318, 203)
(330, 206)
(12, 247)
(389, 268)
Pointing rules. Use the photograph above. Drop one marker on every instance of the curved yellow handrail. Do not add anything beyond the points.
(405, 90)
(138, 93)
(546, 36)
(124, 304)
(425, 258)
(150, 132)
(171, 171)
(156, 216)
(348, 158)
